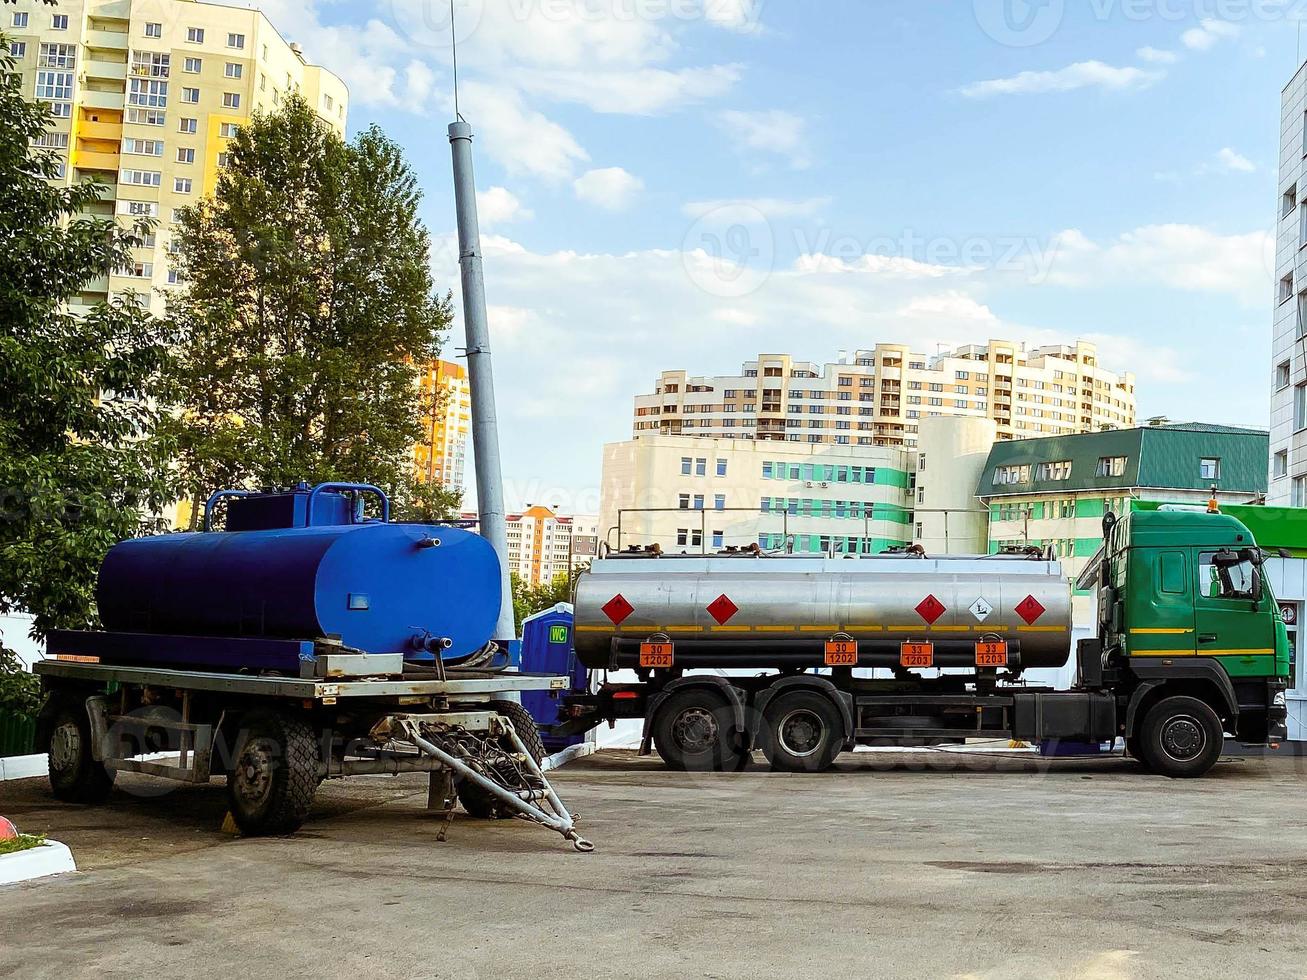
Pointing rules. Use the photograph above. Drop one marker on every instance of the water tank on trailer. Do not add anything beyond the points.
(758, 611)
(379, 587)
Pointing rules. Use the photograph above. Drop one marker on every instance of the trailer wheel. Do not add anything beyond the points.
(802, 731)
(1181, 737)
(75, 777)
(480, 802)
(694, 732)
(274, 777)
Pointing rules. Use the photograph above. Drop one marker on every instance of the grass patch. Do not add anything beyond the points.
(22, 842)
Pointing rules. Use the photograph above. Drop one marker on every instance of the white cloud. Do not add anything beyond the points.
(637, 92)
(1207, 33)
(742, 16)
(753, 209)
(1083, 74)
(1229, 160)
(1157, 56)
(1183, 257)
(610, 188)
(521, 139)
(499, 205)
(775, 131)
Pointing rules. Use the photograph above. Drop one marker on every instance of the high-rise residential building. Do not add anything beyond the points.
(543, 544)
(146, 95)
(442, 455)
(878, 397)
(1288, 474)
(701, 496)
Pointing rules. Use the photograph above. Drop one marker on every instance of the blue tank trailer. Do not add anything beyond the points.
(305, 640)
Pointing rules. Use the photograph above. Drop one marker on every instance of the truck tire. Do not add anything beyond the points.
(75, 777)
(694, 731)
(802, 731)
(274, 775)
(480, 802)
(1181, 737)
(1134, 750)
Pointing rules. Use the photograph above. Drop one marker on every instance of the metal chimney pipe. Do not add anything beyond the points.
(481, 381)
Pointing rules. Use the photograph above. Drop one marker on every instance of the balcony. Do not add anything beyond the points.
(100, 131)
(114, 70)
(95, 160)
(107, 39)
(103, 100)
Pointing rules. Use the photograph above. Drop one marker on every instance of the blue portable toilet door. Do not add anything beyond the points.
(547, 649)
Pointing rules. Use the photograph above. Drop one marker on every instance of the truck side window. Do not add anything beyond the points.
(1225, 581)
(1171, 572)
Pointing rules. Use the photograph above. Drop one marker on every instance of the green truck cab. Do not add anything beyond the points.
(1190, 638)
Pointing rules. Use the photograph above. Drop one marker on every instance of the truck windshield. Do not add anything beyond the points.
(1226, 581)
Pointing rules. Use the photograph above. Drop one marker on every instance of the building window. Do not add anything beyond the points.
(698, 501)
(700, 467)
(684, 501)
(687, 465)
(153, 30)
(20, 20)
(1058, 471)
(1280, 464)
(682, 536)
(228, 130)
(193, 65)
(224, 159)
(181, 185)
(140, 178)
(232, 70)
(1209, 468)
(191, 95)
(54, 85)
(151, 64)
(231, 100)
(719, 501)
(148, 92)
(1298, 497)
(718, 540)
(139, 270)
(146, 117)
(195, 35)
(236, 40)
(149, 148)
(1008, 475)
(721, 467)
(1282, 375)
(18, 49)
(185, 125)
(185, 154)
(1289, 201)
(59, 22)
(1286, 288)
(1111, 466)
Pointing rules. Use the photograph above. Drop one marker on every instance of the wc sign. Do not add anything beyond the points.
(558, 634)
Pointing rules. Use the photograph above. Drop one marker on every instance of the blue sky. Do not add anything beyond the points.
(685, 183)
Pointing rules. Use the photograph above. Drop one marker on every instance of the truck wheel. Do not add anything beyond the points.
(1181, 737)
(75, 777)
(694, 732)
(274, 777)
(802, 732)
(478, 801)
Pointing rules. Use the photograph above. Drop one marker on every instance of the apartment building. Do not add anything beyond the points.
(1288, 464)
(695, 495)
(1053, 492)
(146, 95)
(442, 455)
(543, 544)
(878, 397)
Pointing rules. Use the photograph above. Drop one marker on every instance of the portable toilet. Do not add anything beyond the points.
(547, 649)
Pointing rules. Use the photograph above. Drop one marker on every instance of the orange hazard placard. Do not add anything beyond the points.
(991, 653)
(841, 653)
(917, 654)
(658, 656)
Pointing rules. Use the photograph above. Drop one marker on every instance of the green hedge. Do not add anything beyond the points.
(17, 734)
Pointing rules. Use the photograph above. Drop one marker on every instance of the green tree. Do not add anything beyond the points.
(82, 464)
(308, 311)
(530, 599)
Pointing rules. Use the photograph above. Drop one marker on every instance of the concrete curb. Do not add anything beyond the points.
(23, 767)
(52, 858)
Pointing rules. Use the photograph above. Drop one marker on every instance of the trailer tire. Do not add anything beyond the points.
(274, 775)
(1181, 737)
(75, 776)
(694, 731)
(802, 731)
(480, 802)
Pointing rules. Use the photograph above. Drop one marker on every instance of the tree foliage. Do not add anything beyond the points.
(308, 313)
(530, 599)
(82, 463)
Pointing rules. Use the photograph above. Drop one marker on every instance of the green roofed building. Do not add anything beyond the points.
(1053, 492)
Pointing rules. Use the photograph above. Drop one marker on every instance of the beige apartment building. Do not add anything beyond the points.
(146, 95)
(442, 455)
(878, 397)
(543, 544)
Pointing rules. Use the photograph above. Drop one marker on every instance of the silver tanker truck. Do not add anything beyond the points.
(807, 657)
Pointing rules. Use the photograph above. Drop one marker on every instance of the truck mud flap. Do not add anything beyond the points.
(1081, 716)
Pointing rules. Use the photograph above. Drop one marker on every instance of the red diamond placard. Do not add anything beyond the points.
(1030, 609)
(618, 609)
(722, 609)
(930, 609)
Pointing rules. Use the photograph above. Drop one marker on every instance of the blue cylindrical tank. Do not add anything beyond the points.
(377, 586)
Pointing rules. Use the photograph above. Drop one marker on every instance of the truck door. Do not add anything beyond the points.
(1232, 617)
(1162, 623)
